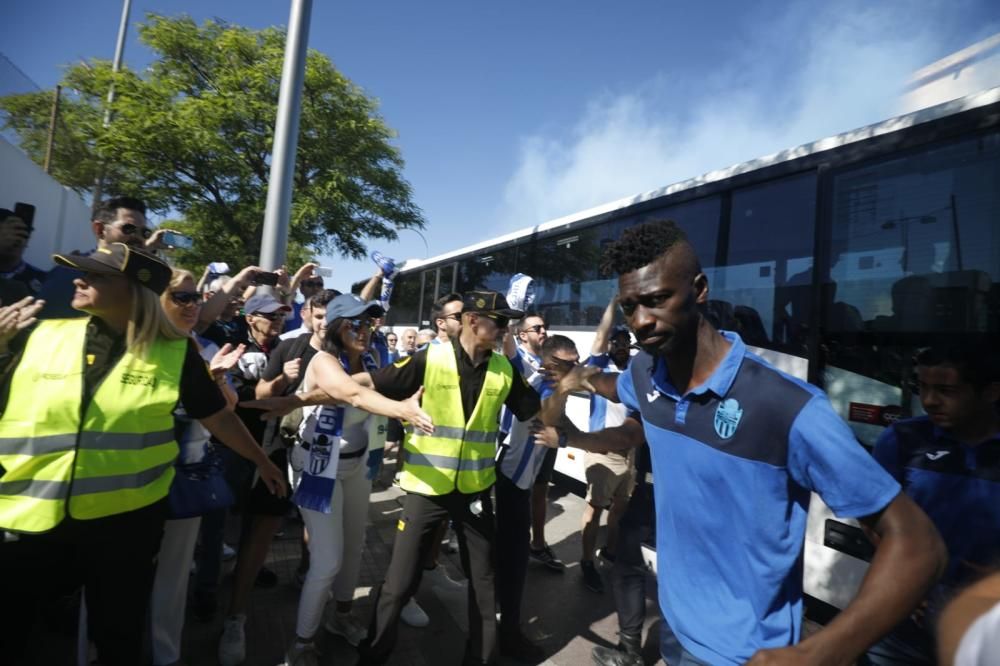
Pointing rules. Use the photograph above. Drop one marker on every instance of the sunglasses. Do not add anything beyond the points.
(311, 283)
(270, 316)
(185, 297)
(357, 324)
(537, 328)
(129, 229)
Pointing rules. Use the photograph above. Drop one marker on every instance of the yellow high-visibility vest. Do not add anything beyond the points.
(116, 456)
(459, 455)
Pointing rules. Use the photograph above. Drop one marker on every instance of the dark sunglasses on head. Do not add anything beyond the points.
(185, 297)
(537, 328)
(311, 283)
(270, 316)
(128, 229)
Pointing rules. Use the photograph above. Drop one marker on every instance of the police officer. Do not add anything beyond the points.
(448, 474)
(87, 447)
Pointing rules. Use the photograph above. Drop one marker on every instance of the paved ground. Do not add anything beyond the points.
(564, 617)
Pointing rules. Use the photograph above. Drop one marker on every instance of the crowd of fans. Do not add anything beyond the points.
(141, 403)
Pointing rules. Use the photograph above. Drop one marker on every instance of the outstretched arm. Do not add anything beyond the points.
(620, 438)
(213, 307)
(909, 558)
(230, 430)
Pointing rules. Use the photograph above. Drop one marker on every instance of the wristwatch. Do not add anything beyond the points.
(563, 437)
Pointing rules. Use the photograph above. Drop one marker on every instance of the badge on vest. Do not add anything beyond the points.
(727, 418)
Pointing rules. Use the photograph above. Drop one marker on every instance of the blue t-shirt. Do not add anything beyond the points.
(734, 461)
(294, 320)
(957, 486)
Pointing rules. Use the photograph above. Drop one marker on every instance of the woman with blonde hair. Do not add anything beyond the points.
(87, 446)
(199, 485)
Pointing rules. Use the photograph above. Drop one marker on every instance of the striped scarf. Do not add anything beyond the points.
(315, 491)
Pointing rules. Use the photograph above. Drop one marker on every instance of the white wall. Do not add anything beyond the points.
(62, 218)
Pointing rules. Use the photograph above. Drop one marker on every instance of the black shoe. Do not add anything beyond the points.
(622, 655)
(265, 578)
(591, 579)
(548, 558)
(606, 555)
(516, 645)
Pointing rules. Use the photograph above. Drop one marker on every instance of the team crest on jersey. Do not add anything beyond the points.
(319, 456)
(727, 418)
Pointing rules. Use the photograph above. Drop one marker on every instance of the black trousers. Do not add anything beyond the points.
(113, 558)
(472, 519)
(513, 541)
(628, 575)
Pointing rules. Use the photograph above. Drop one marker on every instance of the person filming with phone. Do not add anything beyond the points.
(18, 278)
(117, 220)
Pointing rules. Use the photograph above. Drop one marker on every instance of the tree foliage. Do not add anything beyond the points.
(193, 134)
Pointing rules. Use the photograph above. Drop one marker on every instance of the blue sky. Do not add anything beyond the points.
(510, 114)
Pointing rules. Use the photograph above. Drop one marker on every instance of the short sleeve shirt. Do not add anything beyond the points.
(956, 484)
(734, 461)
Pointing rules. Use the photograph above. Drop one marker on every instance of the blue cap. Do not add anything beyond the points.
(349, 305)
(620, 329)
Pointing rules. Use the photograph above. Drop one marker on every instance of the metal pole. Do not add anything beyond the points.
(286, 134)
(116, 66)
(51, 142)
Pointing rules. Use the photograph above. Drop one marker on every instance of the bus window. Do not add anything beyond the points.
(446, 278)
(564, 266)
(429, 295)
(763, 290)
(914, 259)
(699, 219)
(489, 271)
(405, 300)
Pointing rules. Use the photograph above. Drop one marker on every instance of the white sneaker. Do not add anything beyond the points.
(438, 577)
(413, 615)
(346, 626)
(233, 644)
(228, 552)
(302, 654)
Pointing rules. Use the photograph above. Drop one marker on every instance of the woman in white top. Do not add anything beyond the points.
(336, 477)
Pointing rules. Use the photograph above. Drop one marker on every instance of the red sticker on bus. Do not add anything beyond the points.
(883, 415)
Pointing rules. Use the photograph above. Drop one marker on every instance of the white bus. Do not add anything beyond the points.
(836, 260)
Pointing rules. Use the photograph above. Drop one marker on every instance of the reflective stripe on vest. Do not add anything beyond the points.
(117, 458)
(459, 455)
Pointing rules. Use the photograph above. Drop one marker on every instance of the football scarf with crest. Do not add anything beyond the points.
(315, 491)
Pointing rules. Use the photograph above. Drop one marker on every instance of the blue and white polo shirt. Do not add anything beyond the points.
(526, 363)
(522, 458)
(734, 461)
(604, 413)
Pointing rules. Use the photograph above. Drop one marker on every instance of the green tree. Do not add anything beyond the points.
(192, 135)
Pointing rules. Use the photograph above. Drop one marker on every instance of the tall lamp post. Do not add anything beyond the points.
(116, 66)
(286, 134)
